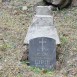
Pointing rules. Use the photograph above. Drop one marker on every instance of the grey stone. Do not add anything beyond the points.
(6, 0)
(42, 53)
(42, 26)
(74, 2)
(56, 1)
(43, 10)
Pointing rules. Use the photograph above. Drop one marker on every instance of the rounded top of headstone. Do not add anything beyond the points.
(43, 10)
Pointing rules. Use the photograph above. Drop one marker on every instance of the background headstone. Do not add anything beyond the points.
(42, 53)
(6, 0)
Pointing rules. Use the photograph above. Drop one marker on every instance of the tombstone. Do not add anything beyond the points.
(42, 53)
(42, 38)
(6, 0)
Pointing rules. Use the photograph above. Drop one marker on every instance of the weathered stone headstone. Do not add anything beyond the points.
(42, 38)
(6, 0)
(42, 53)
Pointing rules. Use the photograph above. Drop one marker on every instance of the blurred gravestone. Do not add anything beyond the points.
(42, 53)
(6, 0)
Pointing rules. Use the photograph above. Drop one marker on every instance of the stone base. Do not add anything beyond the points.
(42, 25)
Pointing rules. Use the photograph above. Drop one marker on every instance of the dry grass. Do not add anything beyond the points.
(13, 27)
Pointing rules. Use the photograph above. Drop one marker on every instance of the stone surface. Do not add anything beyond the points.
(56, 1)
(74, 3)
(42, 53)
(42, 26)
(47, 10)
(6, 0)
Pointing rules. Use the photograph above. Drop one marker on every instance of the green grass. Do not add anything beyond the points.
(64, 40)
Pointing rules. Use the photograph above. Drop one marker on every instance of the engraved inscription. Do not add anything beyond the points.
(42, 44)
(42, 62)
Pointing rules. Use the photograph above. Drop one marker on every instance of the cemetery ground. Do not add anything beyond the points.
(14, 23)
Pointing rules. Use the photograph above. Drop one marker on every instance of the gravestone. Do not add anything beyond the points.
(42, 53)
(6, 0)
(42, 38)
